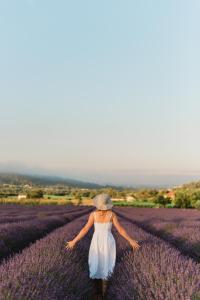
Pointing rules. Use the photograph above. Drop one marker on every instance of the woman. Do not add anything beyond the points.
(102, 251)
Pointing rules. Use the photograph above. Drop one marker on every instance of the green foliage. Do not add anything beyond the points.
(153, 192)
(197, 204)
(144, 200)
(182, 200)
(36, 193)
(163, 201)
(146, 193)
(169, 205)
(79, 199)
(195, 197)
(86, 194)
(192, 185)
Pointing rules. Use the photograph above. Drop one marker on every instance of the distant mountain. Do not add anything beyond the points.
(22, 179)
(46, 180)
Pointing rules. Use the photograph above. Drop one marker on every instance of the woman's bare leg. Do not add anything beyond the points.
(98, 289)
(104, 287)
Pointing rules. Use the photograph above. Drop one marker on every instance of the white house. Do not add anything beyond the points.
(130, 198)
(21, 196)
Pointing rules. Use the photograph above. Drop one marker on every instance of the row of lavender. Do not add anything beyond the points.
(180, 228)
(155, 271)
(46, 270)
(14, 213)
(15, 236)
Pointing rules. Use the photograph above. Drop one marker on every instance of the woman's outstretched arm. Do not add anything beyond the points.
(82, 233)
(123, 232)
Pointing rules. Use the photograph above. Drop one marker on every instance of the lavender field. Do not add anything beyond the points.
(36, 266)
(30, 225)
(180, 227)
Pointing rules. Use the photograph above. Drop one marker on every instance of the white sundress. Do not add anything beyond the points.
(102, 251)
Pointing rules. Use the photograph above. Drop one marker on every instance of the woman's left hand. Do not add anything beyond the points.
(70, 244)
(135, 244)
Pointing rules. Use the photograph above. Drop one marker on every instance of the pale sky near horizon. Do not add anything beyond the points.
(103, 91)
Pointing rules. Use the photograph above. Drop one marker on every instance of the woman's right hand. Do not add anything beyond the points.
(134, 244)
(70, 245)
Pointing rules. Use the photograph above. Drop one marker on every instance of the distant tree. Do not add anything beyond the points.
(147, 193)
(182, 200)
(86, 194)
(92, 194)
(60, 193)
(153, 192)
(197, 204)
(196, 196)
(79, 200)
(160, 199)
(36, 193)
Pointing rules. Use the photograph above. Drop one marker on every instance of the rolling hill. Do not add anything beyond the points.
(22, 179)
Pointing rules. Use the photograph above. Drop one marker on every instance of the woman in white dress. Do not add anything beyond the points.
(102, 252)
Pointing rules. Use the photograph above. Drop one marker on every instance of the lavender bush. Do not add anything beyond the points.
(183, 233)
(155, 271)
(17, 213)
(15, 236)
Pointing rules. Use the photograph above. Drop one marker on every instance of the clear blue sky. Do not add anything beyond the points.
(105, 91)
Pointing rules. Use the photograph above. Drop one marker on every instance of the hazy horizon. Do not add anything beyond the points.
(151, 178)
(105, 92)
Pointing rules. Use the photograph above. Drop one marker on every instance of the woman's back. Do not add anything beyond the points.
(103, 226)
(102, 252)
(105, 218)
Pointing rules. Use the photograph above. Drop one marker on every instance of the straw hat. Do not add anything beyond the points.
(102, 201)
